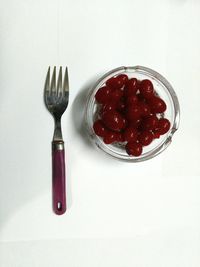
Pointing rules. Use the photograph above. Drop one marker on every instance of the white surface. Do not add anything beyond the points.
(156, 204)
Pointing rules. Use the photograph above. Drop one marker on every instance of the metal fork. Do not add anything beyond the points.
(56, 97)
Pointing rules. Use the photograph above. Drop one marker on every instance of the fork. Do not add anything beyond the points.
(56, 97)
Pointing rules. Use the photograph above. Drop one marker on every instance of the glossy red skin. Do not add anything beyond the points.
(121, 106)
(145, 109)
(110, 137)
(132, 100)
(123, 78)
(102, 96)
(133, 113)
(156, 135)
(115, 82)
(146, 88)
(116, 95)
(131, 87)
(134, 149)
(114, 120)
(145, 138)
(120, 137)
(157, 104)
(130, 134)
(163, 126)
(110, 106)
(150, 123)
(99, 128)
(135, 123)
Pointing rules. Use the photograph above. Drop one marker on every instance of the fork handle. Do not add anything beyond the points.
(58, 183)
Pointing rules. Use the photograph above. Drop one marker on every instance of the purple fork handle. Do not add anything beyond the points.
(58, 165)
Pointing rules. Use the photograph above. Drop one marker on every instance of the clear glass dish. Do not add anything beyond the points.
(163, 89)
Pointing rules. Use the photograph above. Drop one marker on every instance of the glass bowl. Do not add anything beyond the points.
(163, 89)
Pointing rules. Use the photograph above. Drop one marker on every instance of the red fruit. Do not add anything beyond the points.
(103, 95)
(131, 87)
(123, 78)
(145, 109)
(114, 120)
(150, 123)
(134, 149)
(115, 83)
(163, 126)
(130, 134)
(108, 107)
(110, 137)
(146, 88)
(99, 128)
(133, 113)
(116, 95)
(157, 104)
(120, 137)
(135, 123)
(121, 106)
(131, 100)
(145, 138)
(156, 135)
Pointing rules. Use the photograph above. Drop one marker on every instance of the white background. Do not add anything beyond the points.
(145, 214)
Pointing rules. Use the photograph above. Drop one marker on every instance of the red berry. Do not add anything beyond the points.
(123, 78)
(156, 135)
(108, 107)
(157, 104)
(120, 137)
(116, 95)
(146, 88)
(150, 123)
(103, 95)
(130, 134)
(131, 100)
(110, 137)
(115, 83)
(145, 109)
(133, 113)
(145, 138)
(134, 149)
(163, 126)
(121, 105)
(99, 128)
(114, 120)
(135, 123)
(131, 87)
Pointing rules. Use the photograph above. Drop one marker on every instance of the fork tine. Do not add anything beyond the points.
(53, 81)
(47, 81)
(59, 83)
(66, 81)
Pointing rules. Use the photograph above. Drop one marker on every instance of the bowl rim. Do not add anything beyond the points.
(175, 123)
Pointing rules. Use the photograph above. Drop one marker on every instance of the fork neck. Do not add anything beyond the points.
(57, 130)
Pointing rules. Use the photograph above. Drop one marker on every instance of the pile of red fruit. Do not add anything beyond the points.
(130, 112)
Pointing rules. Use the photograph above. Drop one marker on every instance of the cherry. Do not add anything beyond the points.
(131, 100)
(145, 109)
(134, 149)
(115, 82)
(130, 134)
(157, 104)
(120, 137)
(145, 138)
(131, 87)
(121, 105)
(108, 107)
(123, 78)
(146, 88)
(133, 113)
(99, 128)
(116, 95)
(114, 120)
(103, 95)
(163, 126)
(156, 135)
(110, 137)
(150, 123)
(135, 123)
